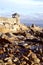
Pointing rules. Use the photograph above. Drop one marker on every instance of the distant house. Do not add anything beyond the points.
(17, 16)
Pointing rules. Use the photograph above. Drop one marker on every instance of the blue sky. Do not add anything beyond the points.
(26, 7)
(31, 8)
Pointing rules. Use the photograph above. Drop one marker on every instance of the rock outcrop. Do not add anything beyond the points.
(19, 44)
(11, 25)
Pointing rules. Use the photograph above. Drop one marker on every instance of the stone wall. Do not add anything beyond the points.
(13, 25)
(8, 20)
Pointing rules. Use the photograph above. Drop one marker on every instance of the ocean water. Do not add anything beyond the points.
(28, 24)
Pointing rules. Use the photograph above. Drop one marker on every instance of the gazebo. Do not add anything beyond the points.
(17, 16)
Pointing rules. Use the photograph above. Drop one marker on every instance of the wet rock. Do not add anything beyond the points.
(1, 62)
(35, 59)
(1, 51)
(9, 34)
(1, 34)
(20, 37)
(33, 25)
(9, 61)
(26, 58)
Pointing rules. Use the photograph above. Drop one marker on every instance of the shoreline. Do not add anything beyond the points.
(29, 24)
(22, 48)
(20, 44)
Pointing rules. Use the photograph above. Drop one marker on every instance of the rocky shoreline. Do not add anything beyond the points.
(23, 46)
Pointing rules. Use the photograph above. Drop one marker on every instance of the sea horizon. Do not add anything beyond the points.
(29, 23)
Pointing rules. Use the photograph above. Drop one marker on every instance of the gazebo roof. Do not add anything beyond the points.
(15, 14)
